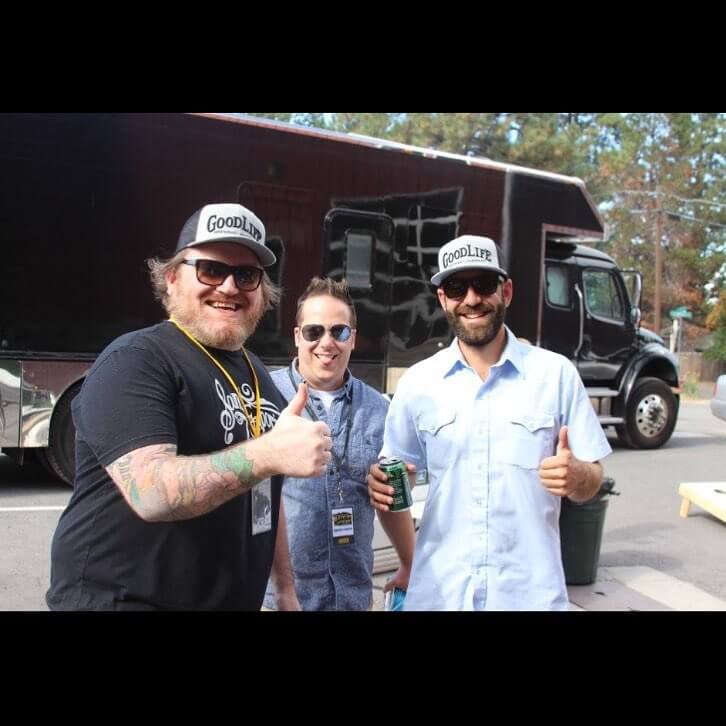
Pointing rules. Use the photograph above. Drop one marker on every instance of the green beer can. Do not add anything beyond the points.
(398, 479)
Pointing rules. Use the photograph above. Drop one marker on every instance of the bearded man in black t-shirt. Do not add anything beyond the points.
(182, 441)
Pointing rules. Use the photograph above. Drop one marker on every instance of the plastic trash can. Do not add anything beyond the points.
(581, 527)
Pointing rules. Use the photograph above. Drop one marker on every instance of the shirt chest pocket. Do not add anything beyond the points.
(527, 439)
(363, 452)
(437, 433)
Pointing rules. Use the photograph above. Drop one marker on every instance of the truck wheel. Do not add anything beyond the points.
(59, 458)
(650, 415)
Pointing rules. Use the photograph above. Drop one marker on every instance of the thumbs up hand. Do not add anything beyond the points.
(297, 404)
(562, 443)
(563, 474)
(296, 447)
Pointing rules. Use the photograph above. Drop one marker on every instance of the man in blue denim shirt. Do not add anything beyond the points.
(329, 518)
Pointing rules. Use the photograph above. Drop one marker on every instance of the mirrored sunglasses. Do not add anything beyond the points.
(211, 272)
(456, 288)
(314, 332)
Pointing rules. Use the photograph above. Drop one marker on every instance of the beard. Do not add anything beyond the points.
(482, 335)
(230, 336)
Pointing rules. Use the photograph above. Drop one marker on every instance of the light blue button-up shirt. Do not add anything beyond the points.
(489, 538)
(330, 576)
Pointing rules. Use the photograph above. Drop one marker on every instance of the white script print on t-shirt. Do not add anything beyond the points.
(232, 415)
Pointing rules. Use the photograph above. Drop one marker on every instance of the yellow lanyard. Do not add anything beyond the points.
(254, 426)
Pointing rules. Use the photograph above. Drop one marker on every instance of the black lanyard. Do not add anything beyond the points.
(339, 463)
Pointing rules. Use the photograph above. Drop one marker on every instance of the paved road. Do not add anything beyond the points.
(30, 505)
(650, 556)
(643, 527)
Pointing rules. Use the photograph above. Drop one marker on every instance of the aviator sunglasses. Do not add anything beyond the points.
(314, 332)
(456, 288)
(211, 272)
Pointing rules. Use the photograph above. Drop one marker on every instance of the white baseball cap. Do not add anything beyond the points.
(467, 252)
(226, 223)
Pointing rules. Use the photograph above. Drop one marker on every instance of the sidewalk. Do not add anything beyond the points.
(703, 394)
(640, 588)
(621, 589)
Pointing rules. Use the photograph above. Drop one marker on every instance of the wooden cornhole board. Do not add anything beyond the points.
(709, 495)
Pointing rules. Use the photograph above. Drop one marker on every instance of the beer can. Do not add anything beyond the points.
(398, 479)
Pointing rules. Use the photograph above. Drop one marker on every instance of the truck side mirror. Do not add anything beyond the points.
(634, 285)
(635, 316)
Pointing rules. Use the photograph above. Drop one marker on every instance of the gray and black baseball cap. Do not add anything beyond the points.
(468, 252)
(226, 223)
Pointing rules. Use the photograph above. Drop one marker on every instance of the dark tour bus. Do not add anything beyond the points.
(86, 198)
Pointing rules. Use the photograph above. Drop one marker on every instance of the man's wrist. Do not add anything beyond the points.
(584, 485)
(586, 489)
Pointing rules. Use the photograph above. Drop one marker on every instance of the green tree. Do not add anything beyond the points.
(716, 321)
(557, 142)
(301, 119)
(681, 156)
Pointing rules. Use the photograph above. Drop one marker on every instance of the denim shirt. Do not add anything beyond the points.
(329, 576)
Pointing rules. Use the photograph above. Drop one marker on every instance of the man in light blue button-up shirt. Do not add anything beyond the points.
(505, 430)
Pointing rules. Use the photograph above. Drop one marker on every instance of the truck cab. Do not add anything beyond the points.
(591, 316)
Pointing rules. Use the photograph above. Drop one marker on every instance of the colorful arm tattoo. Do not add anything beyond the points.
(161, 486)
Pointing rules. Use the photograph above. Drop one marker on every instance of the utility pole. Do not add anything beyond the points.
(658, 259)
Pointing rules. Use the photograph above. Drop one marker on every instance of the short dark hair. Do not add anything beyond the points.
(319, 286)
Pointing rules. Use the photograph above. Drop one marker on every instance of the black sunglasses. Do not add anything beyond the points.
(314, 332)
(456, 288)
(211, 272)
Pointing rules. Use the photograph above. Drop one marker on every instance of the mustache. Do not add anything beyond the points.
(482, 308)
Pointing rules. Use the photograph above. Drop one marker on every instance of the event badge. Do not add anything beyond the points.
(262, 507)
(343, 526)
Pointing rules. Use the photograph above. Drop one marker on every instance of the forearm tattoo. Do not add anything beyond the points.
(233, 459)
(161, 486)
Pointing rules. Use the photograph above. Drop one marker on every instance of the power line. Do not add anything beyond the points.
(694, 219)
(696, 201)
(678, 215)
(668, 194)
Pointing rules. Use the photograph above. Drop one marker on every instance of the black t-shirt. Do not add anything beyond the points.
(154, 386)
